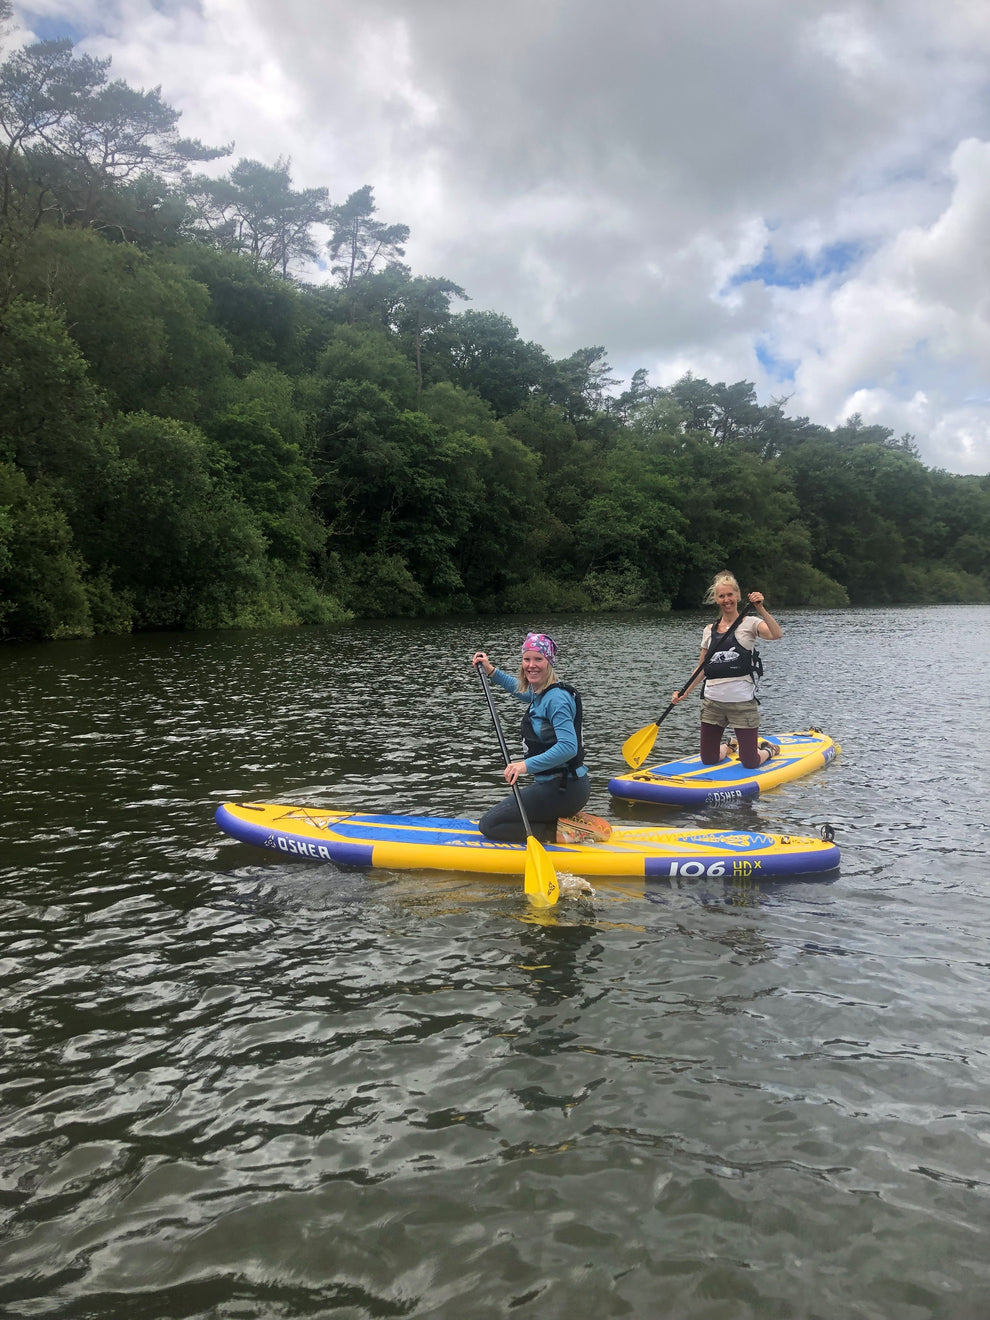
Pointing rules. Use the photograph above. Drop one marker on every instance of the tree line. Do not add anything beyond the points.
(193, 437)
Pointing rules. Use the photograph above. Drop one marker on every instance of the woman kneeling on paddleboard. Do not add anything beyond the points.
(729, 695)
(553, 752)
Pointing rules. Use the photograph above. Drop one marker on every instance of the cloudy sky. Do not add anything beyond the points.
(791, 192)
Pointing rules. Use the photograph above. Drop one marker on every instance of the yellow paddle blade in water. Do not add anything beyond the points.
(540, 883)
(638, 745)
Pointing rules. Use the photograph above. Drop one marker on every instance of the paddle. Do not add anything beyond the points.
(638, 745)
(540, 880)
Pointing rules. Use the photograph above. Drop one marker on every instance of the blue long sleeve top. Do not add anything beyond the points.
(552, 707)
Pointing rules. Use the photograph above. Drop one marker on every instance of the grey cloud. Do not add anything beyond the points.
(594, 171)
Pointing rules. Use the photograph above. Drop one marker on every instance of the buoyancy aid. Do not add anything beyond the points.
(534, 745)
(728, 658)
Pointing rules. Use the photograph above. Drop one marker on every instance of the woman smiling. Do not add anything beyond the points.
(553, 753)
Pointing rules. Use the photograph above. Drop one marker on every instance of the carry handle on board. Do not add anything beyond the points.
(540, 881)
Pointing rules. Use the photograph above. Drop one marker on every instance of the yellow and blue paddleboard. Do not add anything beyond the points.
(690, 783)
(353, 838)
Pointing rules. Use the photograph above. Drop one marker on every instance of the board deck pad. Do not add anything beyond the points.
(351, 838)
(688, 782)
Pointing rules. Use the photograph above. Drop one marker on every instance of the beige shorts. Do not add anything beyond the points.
(731, 714)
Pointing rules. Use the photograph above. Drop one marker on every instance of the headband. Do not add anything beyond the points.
(546, 646)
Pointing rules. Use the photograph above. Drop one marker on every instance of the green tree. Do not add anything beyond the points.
(632, 533)
(141, 323)
(169, 534)
(263, 319)
(256, 212)
(40, 88)
(71, 137)
(422, 315)
(271, 477)
(502, 529)
(580, 385)
(358, 241)
(41, 573)
(397, 488)
(859, 499)
(368, 353)
(51, 413)
(482, 351)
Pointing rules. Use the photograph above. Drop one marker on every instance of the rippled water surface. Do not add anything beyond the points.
(237, 1086)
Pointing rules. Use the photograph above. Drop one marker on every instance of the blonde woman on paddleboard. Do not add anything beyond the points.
(553, 753)
(729, 693)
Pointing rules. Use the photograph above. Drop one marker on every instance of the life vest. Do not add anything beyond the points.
(534, 745)
(728, 658)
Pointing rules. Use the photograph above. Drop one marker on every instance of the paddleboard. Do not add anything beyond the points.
(690, 783)
(354, 838)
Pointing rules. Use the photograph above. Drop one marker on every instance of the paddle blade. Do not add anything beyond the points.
(540, 883)
(638, 745)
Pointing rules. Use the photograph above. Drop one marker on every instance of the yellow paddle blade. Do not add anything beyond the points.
(540, 883)
(638, 745)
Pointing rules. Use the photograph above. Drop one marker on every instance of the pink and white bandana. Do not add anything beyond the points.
(541, 642)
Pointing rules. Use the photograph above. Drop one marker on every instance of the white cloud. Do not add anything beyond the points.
(905, 340)
(605, 175)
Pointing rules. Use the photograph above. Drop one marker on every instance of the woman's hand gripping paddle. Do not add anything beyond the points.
(540, 881)
(638, 745)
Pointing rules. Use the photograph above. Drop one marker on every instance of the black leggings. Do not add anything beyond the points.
(748, 740)
(545, 801)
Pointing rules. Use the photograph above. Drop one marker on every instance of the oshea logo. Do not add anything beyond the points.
(298, 847)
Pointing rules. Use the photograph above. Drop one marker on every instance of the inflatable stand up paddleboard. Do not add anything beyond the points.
(352, 838)
(690, 783)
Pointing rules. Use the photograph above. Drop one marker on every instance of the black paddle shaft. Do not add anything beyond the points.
(502, 743)
(682, 690)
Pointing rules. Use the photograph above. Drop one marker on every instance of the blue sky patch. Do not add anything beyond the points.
(800, 268)
(777, 368)
(54, 29)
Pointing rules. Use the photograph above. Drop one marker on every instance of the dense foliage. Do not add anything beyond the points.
(189, 437)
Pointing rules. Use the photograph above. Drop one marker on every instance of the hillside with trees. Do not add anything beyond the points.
(191, 436)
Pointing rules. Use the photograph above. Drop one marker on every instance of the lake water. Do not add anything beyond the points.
(235, 1086)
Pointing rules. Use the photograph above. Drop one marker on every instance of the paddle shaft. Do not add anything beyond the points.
(682, 690)
(502, 743)
(649, 729)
